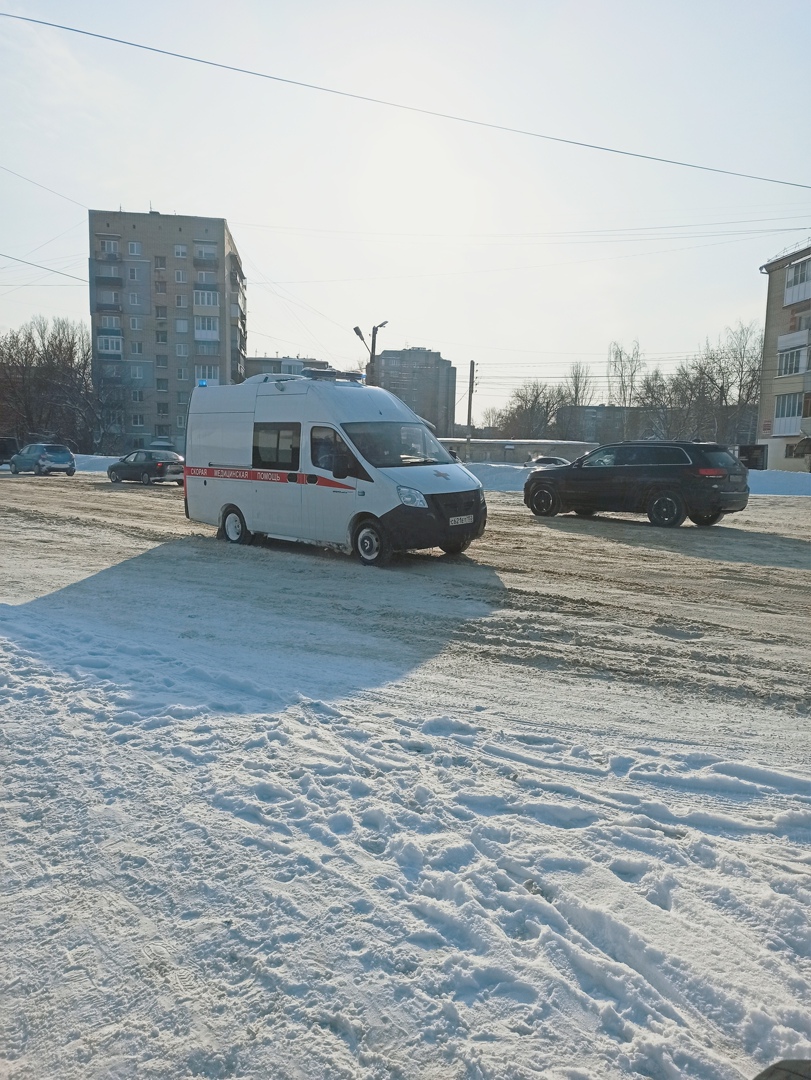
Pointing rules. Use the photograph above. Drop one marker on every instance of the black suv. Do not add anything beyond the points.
(668, 481)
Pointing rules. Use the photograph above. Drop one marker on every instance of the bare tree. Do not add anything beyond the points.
(530, 410)
(729, 373)
(576, 391)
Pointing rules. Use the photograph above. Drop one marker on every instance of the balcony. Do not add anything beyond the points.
(205, 264)
(108, 307)
(107, 256)
(103, 282)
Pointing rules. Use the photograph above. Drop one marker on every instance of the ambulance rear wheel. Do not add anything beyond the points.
(233, 527)
(371, 544)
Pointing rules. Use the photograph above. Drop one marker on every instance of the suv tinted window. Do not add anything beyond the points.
(721, 459)
(601, 459)
(660, 455)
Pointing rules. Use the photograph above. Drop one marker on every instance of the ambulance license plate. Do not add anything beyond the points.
(467, 519)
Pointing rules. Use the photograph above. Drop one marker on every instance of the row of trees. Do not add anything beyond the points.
(46, 386)
(713, 395)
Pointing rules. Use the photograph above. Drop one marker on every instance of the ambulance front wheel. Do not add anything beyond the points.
(233, 527)
(371, 544)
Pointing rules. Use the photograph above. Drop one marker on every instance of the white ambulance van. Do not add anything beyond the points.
(323, 459)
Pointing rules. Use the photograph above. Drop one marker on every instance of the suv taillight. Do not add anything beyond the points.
(719, 473)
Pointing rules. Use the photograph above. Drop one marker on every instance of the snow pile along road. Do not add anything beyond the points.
(542, 811)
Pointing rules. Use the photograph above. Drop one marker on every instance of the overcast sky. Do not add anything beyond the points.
(521, 254)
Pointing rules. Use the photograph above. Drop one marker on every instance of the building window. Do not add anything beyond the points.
(183, 397)
(207, 348)
(209, 372)
(181, 276)
(806, 406)
(206, 298)
(137, 419)
(109, 344)
(181, 251)
(181, 422)
(161, 337)
(161, 360)
(162, 385)
(161, 312)
(137, 396)
(135, 299)
(137, 348)
(181, 350)
(207, 277)
(205, 251)
(109, 247)
(137, 444)
(797, 274)
(160, 262)
(111, 322)
(136, 322)
(162, 430)
(182, 374)
(134, 247)
(160, 286)
(110, 371)
(207, 327)
(163, 408)
(133, 273)
(181, 326)
(787, 412)
(181, 301)
(792, 362)
(108, 271)
(136, 371)
(109, 296)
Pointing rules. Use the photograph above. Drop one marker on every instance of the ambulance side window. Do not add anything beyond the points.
(328, 449)
(276, 446)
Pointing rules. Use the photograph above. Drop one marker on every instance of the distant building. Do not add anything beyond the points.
(280, 365)
(167, 308)
(784, 416)
(423, 380)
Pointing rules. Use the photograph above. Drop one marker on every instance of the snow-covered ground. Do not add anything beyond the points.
(543, 811)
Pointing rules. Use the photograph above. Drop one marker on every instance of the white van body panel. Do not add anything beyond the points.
(309, 503)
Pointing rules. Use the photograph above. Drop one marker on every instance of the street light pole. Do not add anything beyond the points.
(371, 375)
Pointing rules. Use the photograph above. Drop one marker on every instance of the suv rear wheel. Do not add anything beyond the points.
(703, 520)
(666, 509)
(544, 501)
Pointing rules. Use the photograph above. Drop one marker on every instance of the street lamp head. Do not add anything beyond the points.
(359, 332)
(382, 324)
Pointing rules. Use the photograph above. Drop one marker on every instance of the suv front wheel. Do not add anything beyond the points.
(544, 501)
(666, 509)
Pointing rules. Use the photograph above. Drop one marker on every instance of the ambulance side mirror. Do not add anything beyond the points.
(341, 468)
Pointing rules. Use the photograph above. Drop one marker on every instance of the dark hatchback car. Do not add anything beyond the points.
(148, 467)
(668, 481)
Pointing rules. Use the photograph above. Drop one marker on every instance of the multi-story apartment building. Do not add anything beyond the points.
(167, 308)
(784, 415)
(423, 380)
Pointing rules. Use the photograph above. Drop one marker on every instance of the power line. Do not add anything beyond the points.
(36, 184)
(406, 108)
(40, 267)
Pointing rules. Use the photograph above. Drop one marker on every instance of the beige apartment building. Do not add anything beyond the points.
(167, 309)
(784, 415)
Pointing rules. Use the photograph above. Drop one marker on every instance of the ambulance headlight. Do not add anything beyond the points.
(411, 497)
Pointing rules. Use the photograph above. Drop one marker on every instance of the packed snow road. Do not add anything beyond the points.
(543, 810)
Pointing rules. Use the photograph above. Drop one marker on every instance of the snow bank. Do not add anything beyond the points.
(770, 482)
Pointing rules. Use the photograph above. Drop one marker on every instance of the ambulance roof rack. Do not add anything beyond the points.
(331, 373)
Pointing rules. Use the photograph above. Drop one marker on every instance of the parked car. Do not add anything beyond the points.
(148, 467)
(8, 448)
(42, 459)
(668, 481)
(547, 461)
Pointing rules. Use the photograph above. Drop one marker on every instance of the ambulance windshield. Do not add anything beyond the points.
(391, 445)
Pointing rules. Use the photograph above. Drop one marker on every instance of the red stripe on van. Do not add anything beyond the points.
(270, 476)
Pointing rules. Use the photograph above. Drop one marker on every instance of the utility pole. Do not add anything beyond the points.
(371, 374)
(470, 409)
